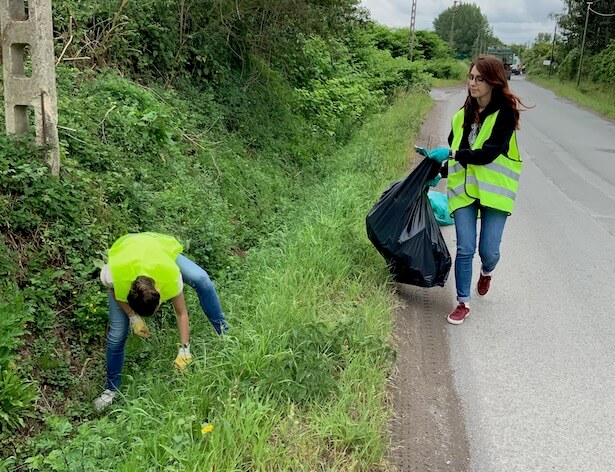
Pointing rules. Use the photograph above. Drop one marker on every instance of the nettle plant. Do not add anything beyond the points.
(17, 394)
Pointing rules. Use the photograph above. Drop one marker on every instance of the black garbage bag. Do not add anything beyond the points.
(404, 230)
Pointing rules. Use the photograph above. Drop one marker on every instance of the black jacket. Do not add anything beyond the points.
(494, 146)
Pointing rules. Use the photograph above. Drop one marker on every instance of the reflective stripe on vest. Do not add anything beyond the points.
(149, 254)
(494, 185)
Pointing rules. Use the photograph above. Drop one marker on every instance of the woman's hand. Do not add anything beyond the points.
(139, 327)
(439, 154)
(184, 358)
(433, 182)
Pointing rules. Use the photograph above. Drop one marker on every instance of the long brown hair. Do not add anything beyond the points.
(492, 71)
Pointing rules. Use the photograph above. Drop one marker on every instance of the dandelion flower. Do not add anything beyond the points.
(206, 428)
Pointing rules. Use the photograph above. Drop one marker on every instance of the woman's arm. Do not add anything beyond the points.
(123, 305)
(183, 322)
(137, 324)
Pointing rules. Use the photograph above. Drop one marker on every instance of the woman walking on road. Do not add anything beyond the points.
(144, 270)
(483, 174)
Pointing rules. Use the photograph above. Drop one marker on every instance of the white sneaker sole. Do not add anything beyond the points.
(455, 322)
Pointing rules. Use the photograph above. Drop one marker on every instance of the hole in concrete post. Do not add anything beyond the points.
(18, 10)
(24, 119)
(21, 60)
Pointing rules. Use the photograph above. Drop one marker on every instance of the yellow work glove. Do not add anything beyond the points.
(183, 357)
(139, 327)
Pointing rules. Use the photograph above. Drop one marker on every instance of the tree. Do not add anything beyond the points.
(469, 29)
(431, 46)
(395, 40)
(543, 38)
(600, 29)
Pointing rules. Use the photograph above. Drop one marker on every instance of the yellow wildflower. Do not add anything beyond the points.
(206, 428)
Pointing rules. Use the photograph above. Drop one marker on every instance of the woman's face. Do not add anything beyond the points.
(479, 88)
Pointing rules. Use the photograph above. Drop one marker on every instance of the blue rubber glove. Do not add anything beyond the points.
(439, 154)
(433, 182)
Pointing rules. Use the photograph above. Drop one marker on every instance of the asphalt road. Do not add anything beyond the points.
(534, 364)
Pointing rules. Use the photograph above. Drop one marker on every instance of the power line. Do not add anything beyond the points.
(600, 14)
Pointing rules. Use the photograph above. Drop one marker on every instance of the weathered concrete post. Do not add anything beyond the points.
(29, 72)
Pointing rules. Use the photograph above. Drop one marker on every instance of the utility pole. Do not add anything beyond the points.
(476, 46)
(29, 73)
(589, 5)
(451, 38)
(553, 47)
(412, 21)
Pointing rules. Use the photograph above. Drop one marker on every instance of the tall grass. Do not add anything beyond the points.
(300, 384)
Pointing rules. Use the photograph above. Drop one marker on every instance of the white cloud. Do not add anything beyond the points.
(513, 21)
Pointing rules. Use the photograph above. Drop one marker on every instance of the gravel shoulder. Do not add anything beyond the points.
(427, 430)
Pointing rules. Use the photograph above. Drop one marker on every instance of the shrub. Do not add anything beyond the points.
(333, 104)
(601, 67)
(568, 69)
(445, 68)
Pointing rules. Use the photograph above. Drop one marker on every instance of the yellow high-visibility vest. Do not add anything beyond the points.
(494, 185)
(149, 254)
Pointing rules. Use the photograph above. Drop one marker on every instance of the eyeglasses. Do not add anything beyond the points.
(476, 78)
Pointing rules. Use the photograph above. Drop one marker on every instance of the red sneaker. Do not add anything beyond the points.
(459, 314)
(484, 281)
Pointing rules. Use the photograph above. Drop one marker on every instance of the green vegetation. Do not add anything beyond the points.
(255, 133)
(597, 97)
(468, 29)
(600, 28)
(596, 88)
(300, 384)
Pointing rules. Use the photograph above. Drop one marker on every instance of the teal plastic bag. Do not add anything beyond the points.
(439, 205)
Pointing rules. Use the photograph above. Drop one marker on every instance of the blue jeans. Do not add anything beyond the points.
(491, 229)
(119, 325)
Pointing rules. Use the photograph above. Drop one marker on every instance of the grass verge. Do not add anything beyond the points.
(301, 382)
(445, 83)
(597, 97)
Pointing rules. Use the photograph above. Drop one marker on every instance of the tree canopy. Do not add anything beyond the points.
(600, 29)
(470, 29)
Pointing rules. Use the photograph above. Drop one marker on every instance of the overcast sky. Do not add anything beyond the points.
(513, 21)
